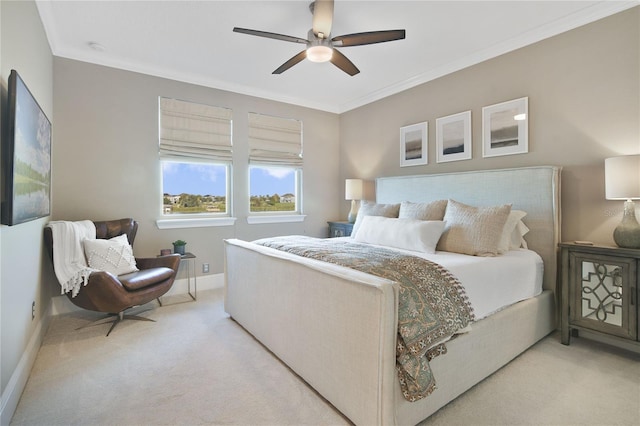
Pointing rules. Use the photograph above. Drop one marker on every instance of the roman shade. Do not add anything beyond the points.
(195, 131)
(275, 141)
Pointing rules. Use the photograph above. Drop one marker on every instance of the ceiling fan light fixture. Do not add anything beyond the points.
(319, 44)
(319, 53)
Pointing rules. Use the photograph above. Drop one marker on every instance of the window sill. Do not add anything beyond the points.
(195, 222)
(289, 218)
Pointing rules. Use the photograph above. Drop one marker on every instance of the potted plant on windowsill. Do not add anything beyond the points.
(178, 246)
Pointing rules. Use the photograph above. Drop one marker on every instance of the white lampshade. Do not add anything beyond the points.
(622, 177)
(353, 189)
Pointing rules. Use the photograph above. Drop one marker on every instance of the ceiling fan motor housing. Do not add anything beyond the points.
(319, 49)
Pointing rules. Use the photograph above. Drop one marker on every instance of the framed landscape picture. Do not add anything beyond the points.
(505, 128)
(453, 137)
(413, 144)
(26, 157)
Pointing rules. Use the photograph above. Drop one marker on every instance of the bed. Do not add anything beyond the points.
(336, 327)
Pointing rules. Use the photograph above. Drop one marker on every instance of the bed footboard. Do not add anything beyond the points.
(335, 327)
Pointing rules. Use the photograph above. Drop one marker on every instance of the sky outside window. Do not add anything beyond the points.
(272, 180)
(193, 178)
(210, 179)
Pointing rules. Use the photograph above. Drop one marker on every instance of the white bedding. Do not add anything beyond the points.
(492, 283)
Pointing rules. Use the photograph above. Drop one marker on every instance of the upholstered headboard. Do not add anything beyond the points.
(535, 190)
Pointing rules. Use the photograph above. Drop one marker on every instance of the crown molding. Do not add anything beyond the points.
(587, 15)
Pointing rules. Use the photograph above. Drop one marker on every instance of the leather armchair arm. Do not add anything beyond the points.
(170, 261)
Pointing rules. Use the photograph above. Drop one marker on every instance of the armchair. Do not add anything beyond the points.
(112, 294)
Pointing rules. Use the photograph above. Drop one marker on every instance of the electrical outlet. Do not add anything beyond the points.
(205, 268)
(33, 310)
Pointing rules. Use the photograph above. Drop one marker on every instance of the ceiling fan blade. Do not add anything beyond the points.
(266, 34)
(322, 18)
(342, 62)
(372, 37)
(291, 62)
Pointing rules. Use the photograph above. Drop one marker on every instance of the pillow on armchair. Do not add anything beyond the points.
(114, 255)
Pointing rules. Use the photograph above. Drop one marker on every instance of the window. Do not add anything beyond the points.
(273, 189)
(195, 155)
(275, 157)
(190, 187)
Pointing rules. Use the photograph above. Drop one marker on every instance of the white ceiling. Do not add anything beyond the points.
(193, 41)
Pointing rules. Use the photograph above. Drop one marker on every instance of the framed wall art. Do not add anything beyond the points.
(413, 144)
(26, 153)
(453, 137)
(505, 128)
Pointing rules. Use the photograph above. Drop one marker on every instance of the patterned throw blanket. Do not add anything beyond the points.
(433, 305)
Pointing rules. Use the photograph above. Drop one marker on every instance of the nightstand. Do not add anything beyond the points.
(599, 294)
(340, 229)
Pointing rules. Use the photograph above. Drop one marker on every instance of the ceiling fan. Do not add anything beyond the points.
(322, 48)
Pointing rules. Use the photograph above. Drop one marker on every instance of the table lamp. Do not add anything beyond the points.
(353, 191)
(622, 182)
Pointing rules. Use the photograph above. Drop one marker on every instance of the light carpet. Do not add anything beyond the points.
(196, 366)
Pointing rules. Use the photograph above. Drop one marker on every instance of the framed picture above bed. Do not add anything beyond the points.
(505, 128)
(414, 144)
(453, 137)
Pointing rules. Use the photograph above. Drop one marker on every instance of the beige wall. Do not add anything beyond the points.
(583, 89)
(24, 47)
(105, 162)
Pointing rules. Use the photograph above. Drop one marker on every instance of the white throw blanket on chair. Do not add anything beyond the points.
(69, 261)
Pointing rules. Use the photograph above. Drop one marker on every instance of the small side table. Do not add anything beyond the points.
(340, 229)
(190, 260)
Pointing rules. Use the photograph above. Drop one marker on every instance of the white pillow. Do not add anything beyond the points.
(510, 226)
(473, 230)
(114, 255)
(517, 237)
(369, 208)
(407, 234)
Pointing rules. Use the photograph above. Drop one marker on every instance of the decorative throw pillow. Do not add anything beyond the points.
(473, 230)
(510, 227)
(408, 234)
(423, 211)
(114, 255)
(517, 237)
(369, 208)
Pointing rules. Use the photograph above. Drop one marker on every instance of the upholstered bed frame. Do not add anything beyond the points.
(336, 327)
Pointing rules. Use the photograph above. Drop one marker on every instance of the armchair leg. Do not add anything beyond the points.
(123, 316)
(118, 317)
(115, 322)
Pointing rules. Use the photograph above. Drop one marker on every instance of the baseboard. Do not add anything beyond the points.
(18, 381)
(202, 283)
(62, 305)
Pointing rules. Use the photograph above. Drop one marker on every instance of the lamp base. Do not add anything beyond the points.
(353, 213)
(627, 234)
